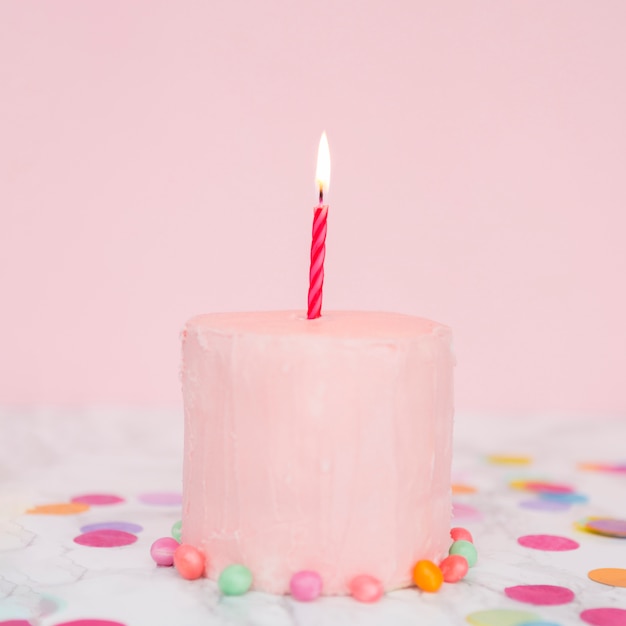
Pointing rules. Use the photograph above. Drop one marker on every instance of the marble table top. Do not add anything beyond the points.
(51, 456)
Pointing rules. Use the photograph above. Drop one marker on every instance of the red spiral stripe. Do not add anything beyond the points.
(318, 252)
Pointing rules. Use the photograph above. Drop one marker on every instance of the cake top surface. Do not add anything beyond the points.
(346, 324)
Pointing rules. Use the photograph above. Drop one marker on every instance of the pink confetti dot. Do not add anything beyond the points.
(98, 499)
(550, 543)
(91, 622)
(105, 538)
(604, 617)
(164, 498)
(465, 511)
(544, 595)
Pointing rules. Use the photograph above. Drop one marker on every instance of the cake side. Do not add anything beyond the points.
(322, 445)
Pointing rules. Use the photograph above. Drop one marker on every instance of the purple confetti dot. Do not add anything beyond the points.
(128, 527)
(545, 505)
(164, 498)
(608, 526)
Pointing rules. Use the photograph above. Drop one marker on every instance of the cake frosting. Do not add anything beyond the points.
(319, 445)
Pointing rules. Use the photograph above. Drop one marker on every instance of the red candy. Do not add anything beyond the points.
(461, 534)
(453, 568)
(189, 561)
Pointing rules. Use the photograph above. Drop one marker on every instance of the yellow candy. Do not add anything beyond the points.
(427, 576)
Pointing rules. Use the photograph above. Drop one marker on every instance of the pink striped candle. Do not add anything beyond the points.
(318, 242)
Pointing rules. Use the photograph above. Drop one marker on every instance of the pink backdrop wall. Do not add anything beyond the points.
(157, 161)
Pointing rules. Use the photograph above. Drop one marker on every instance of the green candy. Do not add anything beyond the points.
(465, 549)
(177, 530)
(235, 580)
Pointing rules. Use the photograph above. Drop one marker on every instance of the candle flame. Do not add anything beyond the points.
(322, 174)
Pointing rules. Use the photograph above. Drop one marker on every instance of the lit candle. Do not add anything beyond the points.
(318, 243)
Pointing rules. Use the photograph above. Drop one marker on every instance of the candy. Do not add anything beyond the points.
(365, 588)
(235, 580)
(453, 568)
(427, 576)
(177, 530)
(466, 549)
(306, 585)
(459, 533)
(189, 561)
(162, 551)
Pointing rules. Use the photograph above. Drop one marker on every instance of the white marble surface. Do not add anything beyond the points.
(50, 456)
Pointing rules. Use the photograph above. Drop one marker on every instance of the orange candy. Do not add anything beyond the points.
(427, 576)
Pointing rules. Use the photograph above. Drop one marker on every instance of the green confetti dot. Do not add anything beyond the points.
(501, 617)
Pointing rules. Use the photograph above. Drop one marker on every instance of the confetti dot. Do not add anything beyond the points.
(465, 511)
(540, 486)
(459, 489)
(544, 595)
(91, 622)
(98, 499)
(503, 459)
(539, 623)
(571, 498)
(164, 498)
(613, 576)
(603, 467)
(105, 539)
(501, 617)
(551, 543)
(608, 526)
(544, 505)
(64, 508)
(604, 617)
(16, 622)
(128, 527)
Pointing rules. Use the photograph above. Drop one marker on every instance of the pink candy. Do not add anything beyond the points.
(453, 568)
(305, 586)
(461, 534)
(366, 588)
(189, 561)
(162, 551)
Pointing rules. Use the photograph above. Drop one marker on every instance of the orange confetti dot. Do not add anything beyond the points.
(64, 508)
(504, 459)
(427, 576)
(459, 489)
(613, 576)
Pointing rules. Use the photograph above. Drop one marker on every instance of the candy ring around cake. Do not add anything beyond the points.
(320, 445)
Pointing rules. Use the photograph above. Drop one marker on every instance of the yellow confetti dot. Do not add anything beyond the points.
(503, 459)
(63, 508)
(459, 489)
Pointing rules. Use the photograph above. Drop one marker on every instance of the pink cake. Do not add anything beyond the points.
(318, 445)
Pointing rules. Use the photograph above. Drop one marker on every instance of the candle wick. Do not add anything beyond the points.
(321, 194)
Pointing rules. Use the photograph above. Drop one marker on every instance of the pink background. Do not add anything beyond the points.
(157, 161)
